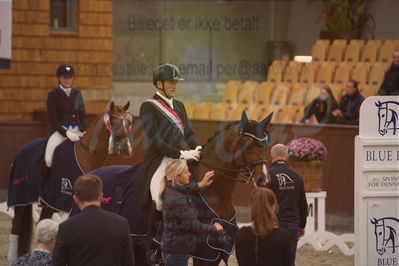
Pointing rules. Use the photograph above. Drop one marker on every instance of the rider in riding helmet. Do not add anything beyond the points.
(66, 112)
(169, 137)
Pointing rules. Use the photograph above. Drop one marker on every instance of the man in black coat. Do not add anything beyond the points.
(94, 236)
(288, 186)
(169, 137)
(349, 106)
(390, 85)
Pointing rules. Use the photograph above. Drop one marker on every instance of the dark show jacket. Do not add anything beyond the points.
(64, 110)
(94, 237)
(390, 84)
(164, 139)
(350, 107)
(273, 250)
(288, 186)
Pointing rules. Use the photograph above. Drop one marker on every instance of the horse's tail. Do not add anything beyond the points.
(25, 231)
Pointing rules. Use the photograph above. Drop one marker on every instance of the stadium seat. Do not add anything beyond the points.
(291, 74)
(190, 106)
(360, 72)
(335, 53)
(264, 92)
(325, 73)
(319, 52)
(340, 42)
(370, 52)
(352, 53)
(231, 91)
(219, 111)
(386, 51)
(287, 114)
(312, 93)
(235, 111)
(369, 90)
(342, 73)
(377, 73)
(202, 110)
(336, 90)
(375, 42)
(308, 74)
(255, 111)
(297, 95)
(357, 42)
(275, 72)
(280, 95)
(247, 92)
(275, 109)
(323, 42)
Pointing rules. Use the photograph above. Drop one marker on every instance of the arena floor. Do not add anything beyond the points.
(306, 255)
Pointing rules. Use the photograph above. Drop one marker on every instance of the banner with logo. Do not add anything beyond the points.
(377, 182)
(5, 33)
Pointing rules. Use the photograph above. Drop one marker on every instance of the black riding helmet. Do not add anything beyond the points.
(166, 72)
(65, 70)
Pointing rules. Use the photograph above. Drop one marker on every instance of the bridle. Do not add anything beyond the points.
(247, 171)
(113, 141)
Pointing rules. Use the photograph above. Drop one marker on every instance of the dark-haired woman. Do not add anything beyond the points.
(349, 106)
(263, 243)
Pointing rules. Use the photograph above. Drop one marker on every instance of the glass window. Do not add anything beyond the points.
(63, 15)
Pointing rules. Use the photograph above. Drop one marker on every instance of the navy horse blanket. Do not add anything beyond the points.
(26, 172)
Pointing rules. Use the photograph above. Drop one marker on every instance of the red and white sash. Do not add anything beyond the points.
(169, 113)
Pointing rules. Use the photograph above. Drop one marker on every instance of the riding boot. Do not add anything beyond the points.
(153, 253)
(12, 249)
(44, 175)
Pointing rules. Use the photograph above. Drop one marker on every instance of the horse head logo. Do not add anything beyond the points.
(387, 117)
(386, 234)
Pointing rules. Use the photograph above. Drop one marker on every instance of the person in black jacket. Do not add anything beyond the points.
(390, 84)
(66, 112)
(169, 136)
(94, 236)
(288, 186)
(321, 107)
(263, 242)
(180, 223)
(349, 106)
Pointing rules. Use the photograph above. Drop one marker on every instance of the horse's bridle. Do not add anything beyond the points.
(117, 143)
(247, 170)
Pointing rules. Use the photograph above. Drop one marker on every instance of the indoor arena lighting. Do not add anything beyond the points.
(303, 58)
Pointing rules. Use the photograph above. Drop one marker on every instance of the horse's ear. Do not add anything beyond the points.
(263, 124)
(126, 106)
(373, 221)
(244, 119)
(112, 106)
(378, 103)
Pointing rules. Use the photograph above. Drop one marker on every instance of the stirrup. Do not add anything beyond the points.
(154, 257)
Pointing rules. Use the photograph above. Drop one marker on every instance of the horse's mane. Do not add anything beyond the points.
(219, 131)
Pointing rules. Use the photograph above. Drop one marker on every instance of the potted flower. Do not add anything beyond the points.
(306, 155)
(346, 19)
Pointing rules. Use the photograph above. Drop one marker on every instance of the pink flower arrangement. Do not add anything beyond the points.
(306, 149)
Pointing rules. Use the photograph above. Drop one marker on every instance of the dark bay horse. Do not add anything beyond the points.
(236, 153)
(108, 134)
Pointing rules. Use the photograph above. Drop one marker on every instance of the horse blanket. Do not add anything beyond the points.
(64, 171)
(26, 169)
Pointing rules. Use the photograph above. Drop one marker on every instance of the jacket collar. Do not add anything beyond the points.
(279, 162)
(166, 100)
(90, 207)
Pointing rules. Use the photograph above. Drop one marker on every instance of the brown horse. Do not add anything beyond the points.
(237, 154)
(108, 134)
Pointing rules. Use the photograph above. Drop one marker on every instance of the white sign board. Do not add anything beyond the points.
(377, 182)
(5, 33)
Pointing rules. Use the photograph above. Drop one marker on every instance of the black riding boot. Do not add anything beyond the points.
(153, 251)
(44, 175)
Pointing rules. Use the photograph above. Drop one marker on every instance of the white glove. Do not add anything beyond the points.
(189, 155)
(72, 136)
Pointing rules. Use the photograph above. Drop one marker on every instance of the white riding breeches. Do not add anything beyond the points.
(54, 140)
(156, 182)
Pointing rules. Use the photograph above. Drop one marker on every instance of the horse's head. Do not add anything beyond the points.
(242, 149)
(379, 231)
(382, 118)
(119, 123)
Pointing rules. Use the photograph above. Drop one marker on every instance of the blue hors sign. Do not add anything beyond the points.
(388, 122)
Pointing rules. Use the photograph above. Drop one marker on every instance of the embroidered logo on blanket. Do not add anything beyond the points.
(66, 186)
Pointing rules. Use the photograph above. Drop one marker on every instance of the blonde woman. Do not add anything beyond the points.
(180, 223)
(263, 243)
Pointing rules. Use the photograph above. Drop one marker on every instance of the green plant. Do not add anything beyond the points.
(346, 15)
